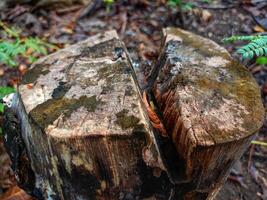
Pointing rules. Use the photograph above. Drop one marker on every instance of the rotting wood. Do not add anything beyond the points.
(211, 108)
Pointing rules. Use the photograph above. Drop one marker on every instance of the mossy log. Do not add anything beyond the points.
(211, 108)
(78, 129)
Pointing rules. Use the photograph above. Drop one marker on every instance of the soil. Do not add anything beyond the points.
(139, 24)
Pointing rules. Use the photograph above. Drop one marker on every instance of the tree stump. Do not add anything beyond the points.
(78, 128)
(211, 108)
(84, 126)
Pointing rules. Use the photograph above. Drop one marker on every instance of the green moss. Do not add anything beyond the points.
(33, 74)
(112, 72)
(47, 112)
(126, 121)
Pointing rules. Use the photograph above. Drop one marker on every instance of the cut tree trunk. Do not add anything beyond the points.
(211, 108)
(78, 128)
(84, 127)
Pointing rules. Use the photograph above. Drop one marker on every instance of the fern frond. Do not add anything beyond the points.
(14, 46)
(235, 38)
(12, 32)
(256, 47)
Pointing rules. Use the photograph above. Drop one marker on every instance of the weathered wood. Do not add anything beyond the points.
(211, 108)
(84, 126)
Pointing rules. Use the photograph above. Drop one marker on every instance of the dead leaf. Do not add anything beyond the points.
(258, 29)
(206, 15)
(22, 69)
(2, 71)
(154, 119)
(30, 85)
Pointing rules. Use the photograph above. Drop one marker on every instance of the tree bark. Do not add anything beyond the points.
(78, 128)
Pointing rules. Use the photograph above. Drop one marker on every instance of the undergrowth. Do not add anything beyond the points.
(14, 46)
(181, 4)
(108, 4)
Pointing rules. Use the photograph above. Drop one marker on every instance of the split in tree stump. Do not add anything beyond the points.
(78, 129)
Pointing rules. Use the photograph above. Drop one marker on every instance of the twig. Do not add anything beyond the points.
(90, 9)
(67, 10)
(250, 156)
(215, 7)
(259, 143)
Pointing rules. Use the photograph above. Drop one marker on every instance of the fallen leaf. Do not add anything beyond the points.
(30, 85)
(2, 71)
(206, 15)
(22, 69)
(258, 29)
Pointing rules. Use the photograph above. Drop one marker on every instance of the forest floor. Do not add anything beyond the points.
(139, 24)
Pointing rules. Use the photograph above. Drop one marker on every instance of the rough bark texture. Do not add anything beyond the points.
(77, 129)
(211, 108)
(84, 127)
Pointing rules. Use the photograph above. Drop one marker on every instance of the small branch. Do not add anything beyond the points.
(215, 7)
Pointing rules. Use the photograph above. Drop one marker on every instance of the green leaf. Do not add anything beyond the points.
(1, 108)
(187, 6)
(32, 59)
(14, 46)
(5, 91)
(261, 60)
(174, 3)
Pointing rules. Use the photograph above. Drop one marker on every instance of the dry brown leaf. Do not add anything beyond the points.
(258, 29)
(206, 15)
(155, 121)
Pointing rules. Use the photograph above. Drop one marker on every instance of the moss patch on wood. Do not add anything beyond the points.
(33, 74)
(47, 112)
(126, 121)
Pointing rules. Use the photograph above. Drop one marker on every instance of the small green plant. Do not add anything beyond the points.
(13, 46)
(256, 47)
(182, 5)
(206, 1)
(108, 4)
(3, 92)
